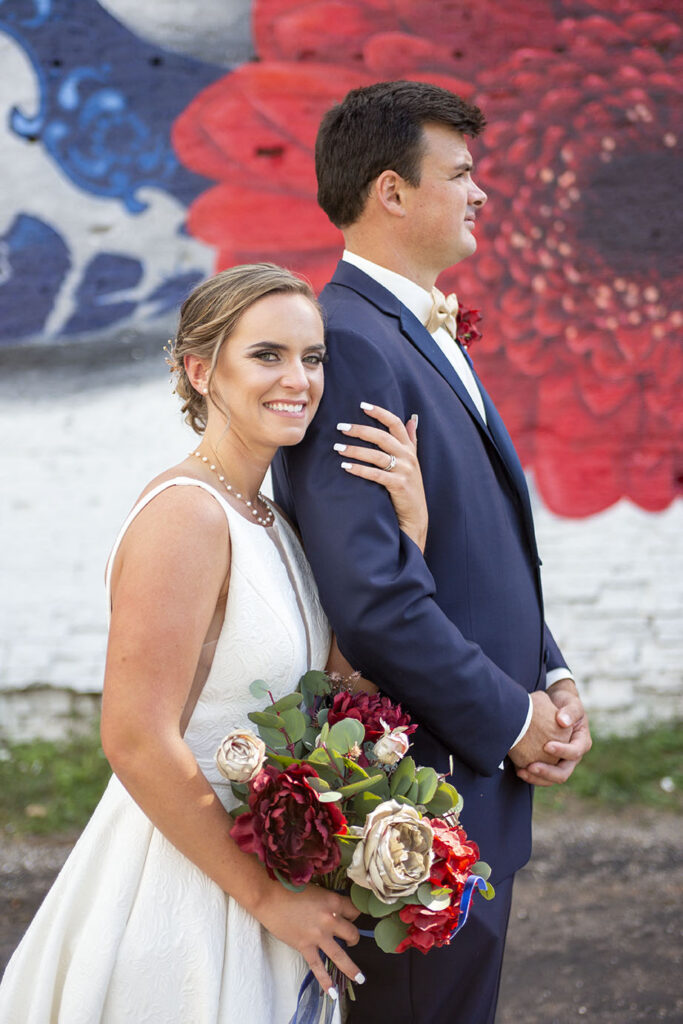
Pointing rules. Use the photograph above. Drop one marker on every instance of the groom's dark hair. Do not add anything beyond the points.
(379, 128)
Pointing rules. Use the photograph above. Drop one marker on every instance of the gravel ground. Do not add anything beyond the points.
(595, 932)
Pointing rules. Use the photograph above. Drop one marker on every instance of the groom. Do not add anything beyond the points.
(457, 635)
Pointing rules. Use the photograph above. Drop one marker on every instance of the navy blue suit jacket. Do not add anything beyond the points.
(457, 636)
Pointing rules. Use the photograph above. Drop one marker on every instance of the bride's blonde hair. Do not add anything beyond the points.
(209, 316)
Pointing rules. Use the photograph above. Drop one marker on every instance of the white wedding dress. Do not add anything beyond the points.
(132, 932)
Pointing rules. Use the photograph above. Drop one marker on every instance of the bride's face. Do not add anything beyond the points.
(269, 373)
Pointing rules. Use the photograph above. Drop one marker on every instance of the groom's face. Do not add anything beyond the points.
(441, 210)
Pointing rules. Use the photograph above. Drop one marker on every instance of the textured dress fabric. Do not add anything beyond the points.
(134, 931)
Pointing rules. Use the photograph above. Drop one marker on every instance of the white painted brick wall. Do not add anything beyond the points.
(71, 466)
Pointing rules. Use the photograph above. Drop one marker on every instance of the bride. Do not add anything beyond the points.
(157, 916)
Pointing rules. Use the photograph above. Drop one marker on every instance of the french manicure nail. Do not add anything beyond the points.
(360, 978)
(415, 418)
(343, 426)
(366, 405)
(346, 465)
(340, 447)
(332, 993)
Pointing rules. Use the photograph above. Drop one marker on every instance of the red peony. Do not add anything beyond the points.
(287, 826)
(369, 709)
(454, 856)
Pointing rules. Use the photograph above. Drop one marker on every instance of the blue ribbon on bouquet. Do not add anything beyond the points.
(472, 883)
(312, 1005)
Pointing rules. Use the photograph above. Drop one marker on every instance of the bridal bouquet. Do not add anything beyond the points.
(329, 793)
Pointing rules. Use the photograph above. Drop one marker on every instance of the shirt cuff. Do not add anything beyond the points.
(554, 676)
(527, 723)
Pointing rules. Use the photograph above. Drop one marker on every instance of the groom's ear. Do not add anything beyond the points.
(389, 191)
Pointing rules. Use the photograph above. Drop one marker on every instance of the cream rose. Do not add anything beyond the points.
(240, 756)
(395, 853)
(392, 746)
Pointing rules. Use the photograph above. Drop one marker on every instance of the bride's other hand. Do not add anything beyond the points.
(310, 921)
(392, 463)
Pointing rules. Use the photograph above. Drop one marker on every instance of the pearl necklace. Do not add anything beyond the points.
(266, 520)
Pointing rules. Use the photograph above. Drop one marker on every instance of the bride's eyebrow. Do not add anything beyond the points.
(279, 347)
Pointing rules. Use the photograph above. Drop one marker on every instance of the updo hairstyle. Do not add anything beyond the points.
(209, 316)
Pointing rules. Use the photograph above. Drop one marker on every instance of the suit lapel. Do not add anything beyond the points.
(494, 429)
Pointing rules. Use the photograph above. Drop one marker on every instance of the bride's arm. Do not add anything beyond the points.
(403, 481)
(392, 463)
(170, 570)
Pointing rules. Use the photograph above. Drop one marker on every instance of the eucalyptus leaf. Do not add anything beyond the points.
(284, 759)
(268, 718)
(389, 932)
(294, 722)
(241, 789)
(489, 892)
(259, 689)
(240, 809)
(428, 781)
(345, 734)
(482, 869)
(331, 796)
(318, 784)
(322, 717)
(351, 788)
(378, 908)
(346, 849)
(434, 898)
(272, 738)
(292, 700)
(355, 767)
(316, 682)
(360, 897)
(403, 777)
(413, 793)
(400, 799)
(445, 799)
(364, 803)
(317, 756)
(309, 737)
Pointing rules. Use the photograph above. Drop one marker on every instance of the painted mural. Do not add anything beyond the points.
(143, 154)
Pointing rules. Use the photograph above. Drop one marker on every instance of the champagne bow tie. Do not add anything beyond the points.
(444, 312)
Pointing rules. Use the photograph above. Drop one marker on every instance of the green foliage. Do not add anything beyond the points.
(51, 787)
(389, 932)
(621, 771)
(403, 778)
(445, 799)
(344, 735)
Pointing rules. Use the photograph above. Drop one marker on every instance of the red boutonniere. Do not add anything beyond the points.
(467, 331)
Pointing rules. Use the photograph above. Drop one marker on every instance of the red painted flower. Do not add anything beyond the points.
(454, 856)
(397, 38)
(371, 710)
(581, 263)
(287, 826)
(253, 132)
(578, 270)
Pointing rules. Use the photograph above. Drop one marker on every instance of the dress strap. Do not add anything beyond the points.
(182, 481)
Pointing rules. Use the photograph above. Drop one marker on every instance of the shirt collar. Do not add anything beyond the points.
(412, 295)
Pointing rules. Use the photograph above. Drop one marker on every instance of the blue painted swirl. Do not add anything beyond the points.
(107, 99)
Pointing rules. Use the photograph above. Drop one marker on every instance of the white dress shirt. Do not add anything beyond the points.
(419, 301)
